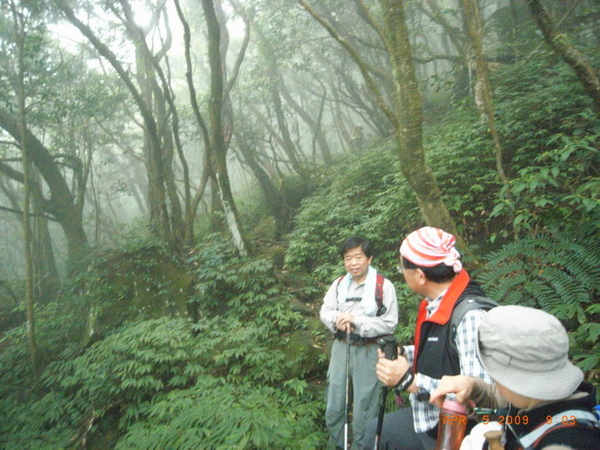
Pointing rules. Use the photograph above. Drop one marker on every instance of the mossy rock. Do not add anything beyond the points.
(306, 353)
(137, 285)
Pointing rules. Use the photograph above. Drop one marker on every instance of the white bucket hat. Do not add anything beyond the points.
(526, 350)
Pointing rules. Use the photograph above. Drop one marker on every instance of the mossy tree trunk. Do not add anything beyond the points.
(19, 29)
(218, 143)
(483, 90)
(588, 76)
(409, 123)
(406, 113)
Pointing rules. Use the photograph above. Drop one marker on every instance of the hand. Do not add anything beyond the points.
(461, 385)
(344, 322)
(389, 372)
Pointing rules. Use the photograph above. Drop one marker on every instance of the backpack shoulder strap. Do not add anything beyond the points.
(573, 418)
(381, 309)
(468, 304)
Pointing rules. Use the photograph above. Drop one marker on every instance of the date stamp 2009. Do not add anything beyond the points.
(524, 419)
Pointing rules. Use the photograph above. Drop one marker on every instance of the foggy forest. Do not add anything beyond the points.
(176, 177)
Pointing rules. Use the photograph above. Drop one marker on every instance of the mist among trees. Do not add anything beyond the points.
(175, 178)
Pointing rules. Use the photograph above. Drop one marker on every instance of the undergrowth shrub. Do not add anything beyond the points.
(218, 414)
(368, 197)
(551, 148)
(239, 345)
(112, 377)
(246, 312)
(461, 156)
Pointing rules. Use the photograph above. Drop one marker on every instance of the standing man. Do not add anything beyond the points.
(358, 308)
(432, 268)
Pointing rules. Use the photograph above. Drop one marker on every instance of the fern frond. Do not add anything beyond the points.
(557, 274)
(566, 287)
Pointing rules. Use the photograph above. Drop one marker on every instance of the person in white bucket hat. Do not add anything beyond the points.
(538, 395)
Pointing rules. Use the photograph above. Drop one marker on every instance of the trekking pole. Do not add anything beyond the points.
(389, 347)
(347, 401)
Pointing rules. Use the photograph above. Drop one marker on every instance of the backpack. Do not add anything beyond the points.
(381, 309)
(470, 303)
(573, 418)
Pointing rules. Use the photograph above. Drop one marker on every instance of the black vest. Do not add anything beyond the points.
(437, 356)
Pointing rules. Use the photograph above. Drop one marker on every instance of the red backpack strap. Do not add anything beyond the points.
(339, 280)
(381, 309)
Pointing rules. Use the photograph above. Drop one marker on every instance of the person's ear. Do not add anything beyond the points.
(421, 278)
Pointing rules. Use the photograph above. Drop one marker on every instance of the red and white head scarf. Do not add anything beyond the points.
(429, 246)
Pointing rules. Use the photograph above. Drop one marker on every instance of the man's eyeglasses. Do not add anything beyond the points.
(400, 269)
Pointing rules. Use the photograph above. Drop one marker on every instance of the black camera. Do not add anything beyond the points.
(389, 346)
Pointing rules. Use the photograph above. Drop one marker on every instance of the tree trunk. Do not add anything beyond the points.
(207, 169)
(406, 114)
(46, 276)
(409, 132)
(19, 34)
(159, 211)
(313, 124)
(218, 143)
(276, 202)
(483, 91)
(61, 203)
(587, 75)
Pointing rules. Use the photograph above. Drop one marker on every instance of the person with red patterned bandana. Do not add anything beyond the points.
(432, 268)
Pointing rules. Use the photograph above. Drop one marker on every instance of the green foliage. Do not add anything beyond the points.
(551, 149)
(367, 197)
(558, 274)
(246, 313)
(459, 152)
(149, 379)
(220, 415)
(255, 212)
(161, 381)
(558, 188)
(141, 280)
(115, 375)
(585, 346)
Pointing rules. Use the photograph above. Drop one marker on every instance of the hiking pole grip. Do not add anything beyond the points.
(389, 347)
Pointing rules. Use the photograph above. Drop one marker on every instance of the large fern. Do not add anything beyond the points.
(557, 274)
(560, 275)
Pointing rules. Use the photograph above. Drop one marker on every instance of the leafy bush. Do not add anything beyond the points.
(552, 148)
(241, 350)
(460, 153)
(218, 414)
(368, 197)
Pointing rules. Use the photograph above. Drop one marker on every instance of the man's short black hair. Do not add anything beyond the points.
(355, 241)
(440, 273)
